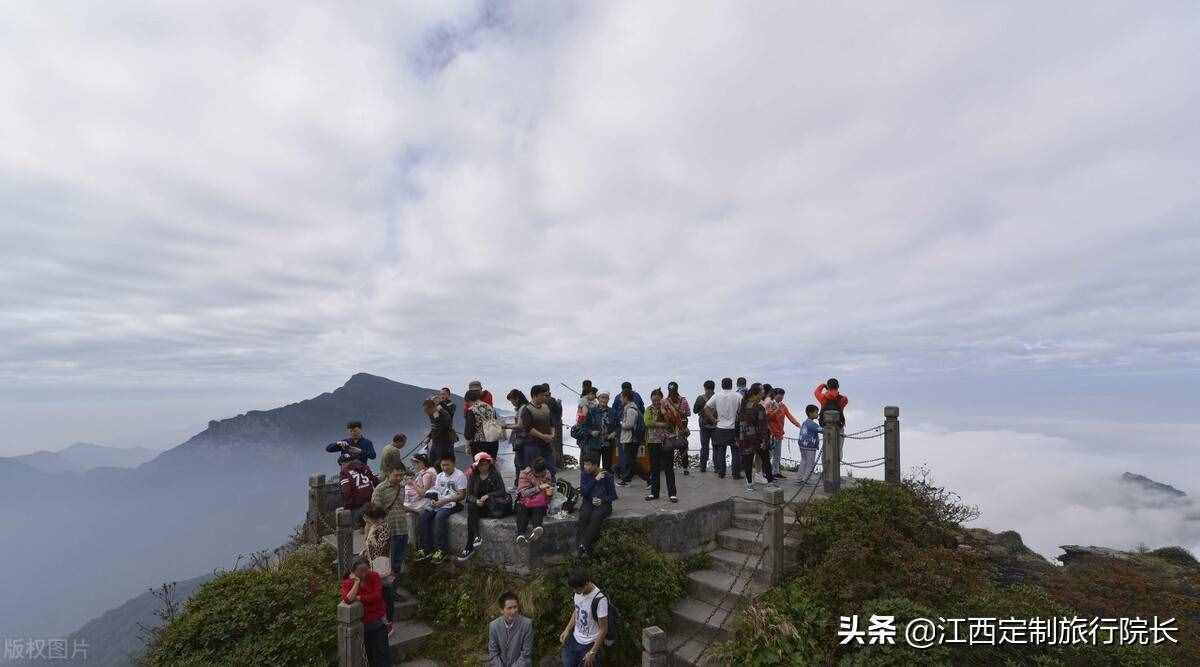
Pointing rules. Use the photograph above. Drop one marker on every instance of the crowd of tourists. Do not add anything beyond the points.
(739, 425)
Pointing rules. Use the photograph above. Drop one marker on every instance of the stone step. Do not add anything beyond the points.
(734, 562)
(690, 614)
(331, 540)
(722, 588)
(407, 638)
(753, 521)
(406, 607)
(687, 654)
(751, 542)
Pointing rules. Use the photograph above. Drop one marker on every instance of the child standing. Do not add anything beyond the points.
(810, 433)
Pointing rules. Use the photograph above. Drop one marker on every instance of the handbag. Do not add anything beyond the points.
(533, 501)
(677, 441)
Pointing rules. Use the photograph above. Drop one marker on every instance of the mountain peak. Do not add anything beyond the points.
(1148, 484)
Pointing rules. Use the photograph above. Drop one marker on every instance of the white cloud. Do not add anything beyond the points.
(238, 194)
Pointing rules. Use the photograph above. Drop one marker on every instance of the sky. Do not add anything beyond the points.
(984, 213)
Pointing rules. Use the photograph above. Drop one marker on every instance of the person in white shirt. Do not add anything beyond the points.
(722, 408)
(583, 638)
(449, 488)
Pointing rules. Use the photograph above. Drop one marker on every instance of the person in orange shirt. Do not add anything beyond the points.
(777, 411)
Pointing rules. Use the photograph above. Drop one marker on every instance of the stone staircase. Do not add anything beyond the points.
(408, 634)
(706, 614)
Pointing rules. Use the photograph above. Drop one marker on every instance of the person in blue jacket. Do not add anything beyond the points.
(597, 493)
(355, 443)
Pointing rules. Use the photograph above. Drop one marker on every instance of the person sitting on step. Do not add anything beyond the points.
(598, 492)
(486, 496)
(449, 489)
(535, 488)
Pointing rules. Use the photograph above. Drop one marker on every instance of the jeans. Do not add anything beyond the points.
(375, 640)
(662, 463)
(573, 652)
(436, 522)
(808, 461)
(536, 449)
(528, 515)
(723, 440)
(399, 551)
(591, 517)
(776, 453)
(706, 436)
(748, 463)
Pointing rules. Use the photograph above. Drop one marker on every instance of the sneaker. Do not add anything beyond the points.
(477, 542)
(521, 539)
(420, 555)
(674, 499)
(780, 475)
(650, 497)
(720, 475)
(749, 486)
(621, 482)
(465, 554)
(685, 472)
(536, 534)
(437, 556)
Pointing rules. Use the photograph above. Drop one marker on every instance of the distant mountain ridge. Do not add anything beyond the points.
(302, 429)
(1148, 484)
(83, 456)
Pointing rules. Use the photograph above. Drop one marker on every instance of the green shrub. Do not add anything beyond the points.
(282, 616)
(1177, 555)
(641, 581)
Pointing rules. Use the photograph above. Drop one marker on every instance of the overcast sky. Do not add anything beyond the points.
(982, 210)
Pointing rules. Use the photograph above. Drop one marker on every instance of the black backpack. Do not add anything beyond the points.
(614, 619)
(832, 404)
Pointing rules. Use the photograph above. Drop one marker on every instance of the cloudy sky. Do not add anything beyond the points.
(986, 213)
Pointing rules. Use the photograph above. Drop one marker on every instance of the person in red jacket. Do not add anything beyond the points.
(830, 397)
(777, 411)
(357, 483)
(364, 585)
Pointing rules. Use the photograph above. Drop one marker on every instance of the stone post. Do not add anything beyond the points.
(654, 647)
(316, 505)
(891, 444)
(832, 458)
(345, 541)
(350, 635)
(773, 558)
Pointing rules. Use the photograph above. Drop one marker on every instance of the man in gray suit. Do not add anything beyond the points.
(510, 636)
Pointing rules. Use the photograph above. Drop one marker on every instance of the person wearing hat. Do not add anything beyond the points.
(486, 496)
(484, 395)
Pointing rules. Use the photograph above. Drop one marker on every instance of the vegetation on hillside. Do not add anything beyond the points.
(901, 551)
(641, 581)
(283, 615)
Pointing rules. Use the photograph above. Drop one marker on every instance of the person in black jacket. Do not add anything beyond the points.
(441, 426)
(486, 496)
(597, 494)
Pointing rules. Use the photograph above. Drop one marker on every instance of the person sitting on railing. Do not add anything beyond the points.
(365, 586)
(357, 484)
(535, 488)
(777, 411)
(449, 489)
(829, 397)
(809, 441)
(597, 493)
(486, 496)
(389, 496)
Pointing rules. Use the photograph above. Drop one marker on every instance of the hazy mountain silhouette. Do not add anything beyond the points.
(84, 456)
(106, 535)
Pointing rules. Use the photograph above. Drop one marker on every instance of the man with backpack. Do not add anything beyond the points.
(633, 430)
(589, 630)
(481, 428)
(830, 397)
